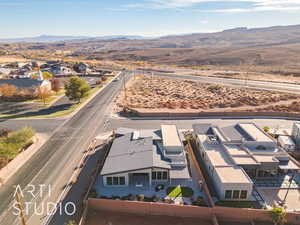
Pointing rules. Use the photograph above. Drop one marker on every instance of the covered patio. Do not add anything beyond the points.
(139, 180)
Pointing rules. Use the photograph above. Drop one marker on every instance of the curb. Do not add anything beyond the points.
(13, 166)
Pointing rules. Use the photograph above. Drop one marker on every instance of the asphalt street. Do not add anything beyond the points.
(272, 86)
(55, 162)
(46, 126)
(185, 123)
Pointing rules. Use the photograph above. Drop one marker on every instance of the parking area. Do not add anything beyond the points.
(274, 196)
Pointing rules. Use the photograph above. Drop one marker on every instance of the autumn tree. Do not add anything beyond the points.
(76, 88)
(55, 85)
(8, 91)
(43, 93)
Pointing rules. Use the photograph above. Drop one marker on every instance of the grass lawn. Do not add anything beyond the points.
(236, 204)
(55, 114)
(11, 145)
(72, 108)
(52, 98)
(179, 191)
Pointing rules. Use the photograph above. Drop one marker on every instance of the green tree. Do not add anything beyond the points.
(76, 88)
(278, 215)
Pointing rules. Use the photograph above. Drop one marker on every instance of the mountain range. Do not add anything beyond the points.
(54, 38)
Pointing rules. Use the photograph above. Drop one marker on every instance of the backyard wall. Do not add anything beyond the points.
(206, 213)
(196, 113)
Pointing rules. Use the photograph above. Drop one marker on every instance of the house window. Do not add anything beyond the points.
(122, 180)
(109, 180)
(228, 194)
(165, 175)
(236, 194)
(243, 194)
(153, 175)
(115, 180)
(159, 175)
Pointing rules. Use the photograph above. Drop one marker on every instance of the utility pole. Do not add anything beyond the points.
(20, 207)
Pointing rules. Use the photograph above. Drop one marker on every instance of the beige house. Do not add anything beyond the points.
(236, 156)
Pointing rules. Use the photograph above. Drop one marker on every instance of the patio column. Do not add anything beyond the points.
(150, 179)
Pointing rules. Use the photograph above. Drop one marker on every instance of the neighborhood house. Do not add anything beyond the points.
(144, 159)
(238, 156)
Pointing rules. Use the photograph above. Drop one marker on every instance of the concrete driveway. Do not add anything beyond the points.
(273, 196)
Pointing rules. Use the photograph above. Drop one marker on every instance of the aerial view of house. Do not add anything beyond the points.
(241, 157)
(141, 162)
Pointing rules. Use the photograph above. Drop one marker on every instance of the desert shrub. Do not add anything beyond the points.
(4, 132)
(71, 222)
(266, 129)
(169, 201)
(278, 215)
(199, 202)
(93, 193)
(115, 197)
(214, 88)
(103, 78)
(156, 198)
(127, 197)
(140, 197)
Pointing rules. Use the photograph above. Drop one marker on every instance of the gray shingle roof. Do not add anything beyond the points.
(21, 83)
(129, 155)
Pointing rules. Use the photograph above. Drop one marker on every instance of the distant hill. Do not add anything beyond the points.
(52, 38)
(273, 49)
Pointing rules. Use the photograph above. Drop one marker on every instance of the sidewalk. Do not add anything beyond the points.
(12, 167)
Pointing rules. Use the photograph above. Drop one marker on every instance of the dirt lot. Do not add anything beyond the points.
(113, 218)
(164, 93)
(9, 59)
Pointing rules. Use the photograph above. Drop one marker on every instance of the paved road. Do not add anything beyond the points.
(289, 88)
(55, 162)
(46, 126)
(185, 123)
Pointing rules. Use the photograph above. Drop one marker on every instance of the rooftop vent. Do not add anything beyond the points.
(212, 139)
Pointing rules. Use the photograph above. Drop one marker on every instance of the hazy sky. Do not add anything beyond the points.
(20, 18)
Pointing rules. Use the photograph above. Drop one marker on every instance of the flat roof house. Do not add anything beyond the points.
(141, 159)
(237, 155)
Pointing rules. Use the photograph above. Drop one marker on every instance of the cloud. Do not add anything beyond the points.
(253, 5)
